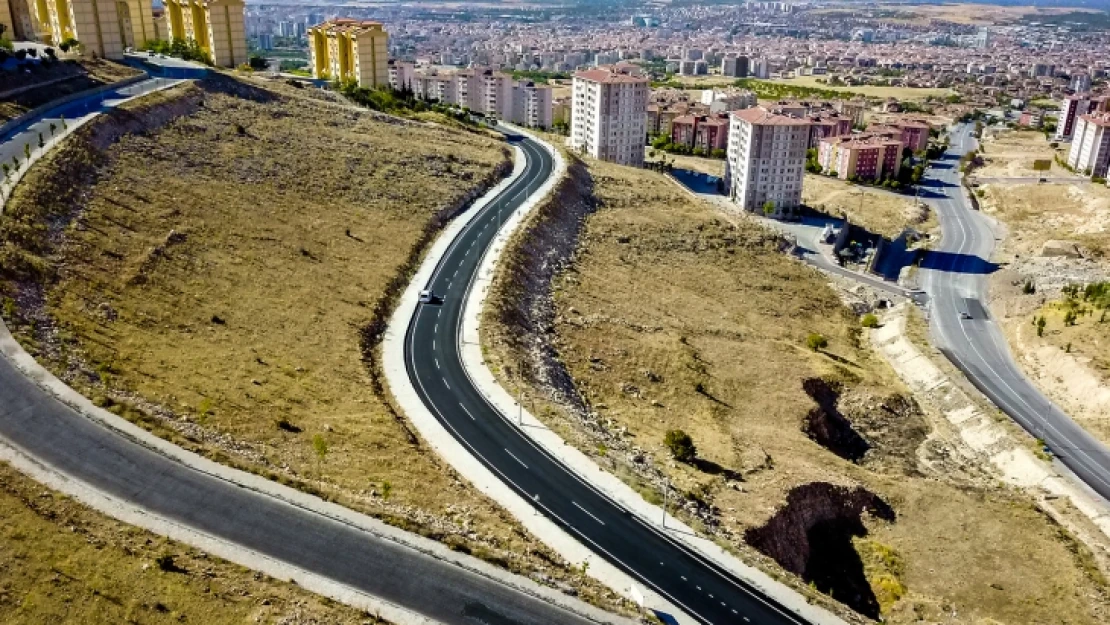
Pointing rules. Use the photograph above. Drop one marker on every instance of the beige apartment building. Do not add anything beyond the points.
(609, 115)
(97, 24)
(348, 49)
(217, 26)
(766, 160)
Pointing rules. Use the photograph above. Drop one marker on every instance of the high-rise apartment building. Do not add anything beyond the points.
(402, 75)
(95, 23)
(218, 27)
(531, 105)
(609, 115)
(1070, 110)
(766, 160)
(734, 66)
(1081, 83)
(1090, 146)
(348, 49)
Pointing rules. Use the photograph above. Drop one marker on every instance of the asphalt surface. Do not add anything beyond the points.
(955, 277)
(432, 357)
(49, 431)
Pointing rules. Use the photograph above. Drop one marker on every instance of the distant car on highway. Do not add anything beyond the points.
(427, 296)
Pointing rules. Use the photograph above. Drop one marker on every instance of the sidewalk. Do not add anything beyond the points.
(38, 131)
(588, 471)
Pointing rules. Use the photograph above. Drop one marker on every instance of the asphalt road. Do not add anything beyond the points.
(433, 360)
(42, 427)
(955, 277)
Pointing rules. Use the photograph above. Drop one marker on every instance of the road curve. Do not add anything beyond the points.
(432, 358)
(955, 277)
(51, 433)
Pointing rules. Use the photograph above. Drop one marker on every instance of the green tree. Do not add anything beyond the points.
(769, 208)
(320, 446)
(42, 144)
(869, 321)
(27, 150)
(681, 445)
(1040, 326)
(816, 342)
(53, 129)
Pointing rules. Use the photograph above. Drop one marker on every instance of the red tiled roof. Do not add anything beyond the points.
(763, 117)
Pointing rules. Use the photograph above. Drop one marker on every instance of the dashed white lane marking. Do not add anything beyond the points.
(587, 512)
(515, 458)
(446, 384)
(437, 363)
(433, 345)
(684, 578)
(699, 587)
(436, 329)
(747, 620)
(735, 612)
(467, 412)
(712, 597)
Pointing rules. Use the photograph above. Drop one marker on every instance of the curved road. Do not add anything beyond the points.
(432, 357)
(955, 277)
(40, 426)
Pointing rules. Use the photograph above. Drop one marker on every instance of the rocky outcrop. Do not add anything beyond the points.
(811, 536)
(521, 299)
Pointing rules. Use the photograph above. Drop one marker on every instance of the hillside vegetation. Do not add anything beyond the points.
(62, 563)
(216, 263)
(637, 314)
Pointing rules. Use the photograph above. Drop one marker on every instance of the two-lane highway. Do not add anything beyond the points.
(955, 277)
(433, 359)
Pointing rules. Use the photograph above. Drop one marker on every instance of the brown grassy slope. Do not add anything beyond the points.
(217, 274)
(76, 76)
(876, 210)
(670, 317)
(61, 562)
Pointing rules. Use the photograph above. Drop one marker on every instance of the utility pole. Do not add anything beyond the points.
(666, 491)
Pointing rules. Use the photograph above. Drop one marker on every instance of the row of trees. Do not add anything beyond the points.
(666, 144)
(187, 49)
(402, 101)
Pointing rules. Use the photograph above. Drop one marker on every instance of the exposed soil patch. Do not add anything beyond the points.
(812, 535)
(827, 427)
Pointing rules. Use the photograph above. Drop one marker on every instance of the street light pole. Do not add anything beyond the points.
(666, 491)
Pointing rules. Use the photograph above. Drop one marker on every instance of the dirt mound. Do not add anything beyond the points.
(811, 536)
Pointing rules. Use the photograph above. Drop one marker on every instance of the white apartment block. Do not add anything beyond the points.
(609, 115)
(766, 159)
(488, 92)
(1070, 110)
(1090, 146)
(531, 105)
(724, 101)
(402, 75)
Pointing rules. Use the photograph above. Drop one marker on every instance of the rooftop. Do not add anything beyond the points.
(763, 117)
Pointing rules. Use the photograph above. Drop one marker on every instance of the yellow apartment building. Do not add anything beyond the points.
(347, 49)
(218, 27)
(97, 24)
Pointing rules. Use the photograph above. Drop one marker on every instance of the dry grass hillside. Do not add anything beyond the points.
(63, 563)
(1011, 154)
(216, 264)
(876, 210)
(814, 464)
(21, 92)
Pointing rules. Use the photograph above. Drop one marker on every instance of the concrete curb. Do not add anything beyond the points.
(42, 109)
(579, 463)
(445, 444)
(121, 510)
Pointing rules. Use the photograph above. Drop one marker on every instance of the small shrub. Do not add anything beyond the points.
(1029, 288)
(816, 342)
(680, 445)
(869, 321)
